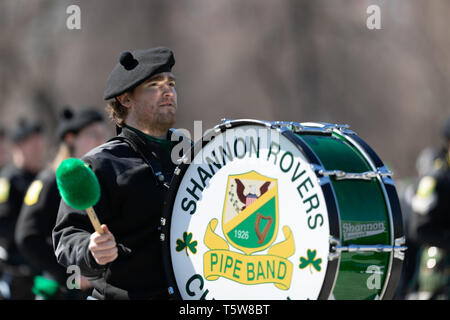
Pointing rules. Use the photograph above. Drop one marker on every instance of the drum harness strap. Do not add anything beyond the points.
(149, 157)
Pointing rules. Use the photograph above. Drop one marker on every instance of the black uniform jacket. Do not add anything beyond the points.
(434, 226)
(131, 205)
(35, 224)
(15, 183)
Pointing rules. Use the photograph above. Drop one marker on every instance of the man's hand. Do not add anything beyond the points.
(103, 246)
(85, 284)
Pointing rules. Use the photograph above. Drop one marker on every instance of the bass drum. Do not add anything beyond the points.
(282, 210)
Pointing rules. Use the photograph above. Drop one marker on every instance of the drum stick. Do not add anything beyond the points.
(79, 188)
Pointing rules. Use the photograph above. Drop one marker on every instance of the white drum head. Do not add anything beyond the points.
(249, 220)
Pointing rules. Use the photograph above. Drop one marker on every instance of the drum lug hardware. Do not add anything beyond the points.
(337, 248)
(388, 180)
(328, 127)
(296, 127)
(400, 248)
(333, 253)
(400, 241)
(223, 120)
(384, 171)
(347, 131)
(162, 237)
(342, 175)
(386, 175)
(324, 180)
(314, 130)
(177, 171)
(290, 125)
(163, 221)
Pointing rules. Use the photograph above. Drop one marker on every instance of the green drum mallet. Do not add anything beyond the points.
(79, 188)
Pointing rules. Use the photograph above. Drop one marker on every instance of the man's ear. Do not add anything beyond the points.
(125, 100)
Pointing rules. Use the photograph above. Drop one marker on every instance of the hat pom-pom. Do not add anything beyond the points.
(66, 114)
(127, 60)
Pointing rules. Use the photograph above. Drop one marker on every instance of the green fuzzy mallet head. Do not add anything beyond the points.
(77, 184)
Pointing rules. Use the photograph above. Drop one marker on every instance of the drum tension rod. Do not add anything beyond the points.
(342, 175)
(297, 127)
(398, 248)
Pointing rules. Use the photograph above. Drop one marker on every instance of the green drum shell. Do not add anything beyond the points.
(363, 209)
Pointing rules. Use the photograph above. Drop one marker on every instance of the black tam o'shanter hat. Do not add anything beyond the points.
(74, 122)
(24, 129)
(135, 67)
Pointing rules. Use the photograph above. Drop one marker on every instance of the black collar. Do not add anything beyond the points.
(143, 147)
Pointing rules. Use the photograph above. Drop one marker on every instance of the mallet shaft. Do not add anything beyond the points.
(94, 220)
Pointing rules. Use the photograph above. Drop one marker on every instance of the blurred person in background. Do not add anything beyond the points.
(3, 152)
(27, 146)
(431, 207)
(77, 133)
(3, 160)
(408, 285)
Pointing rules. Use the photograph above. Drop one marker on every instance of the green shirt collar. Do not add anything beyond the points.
(167, 144)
